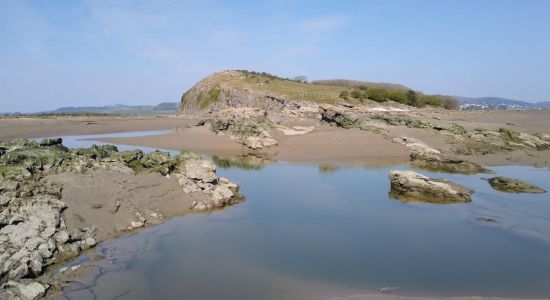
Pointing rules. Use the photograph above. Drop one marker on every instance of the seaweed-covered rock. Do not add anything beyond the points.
(519, 139)
(95, 151)
(402, 120)
(411, 186)
(511, 185)
(456, 129)
(158, 161)
(51, 142)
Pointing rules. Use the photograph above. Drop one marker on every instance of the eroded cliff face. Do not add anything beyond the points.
(235, 89)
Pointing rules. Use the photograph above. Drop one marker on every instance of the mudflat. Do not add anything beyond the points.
(323, 144)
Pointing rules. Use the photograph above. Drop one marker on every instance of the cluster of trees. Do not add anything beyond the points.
(301, 79)
(408, 97)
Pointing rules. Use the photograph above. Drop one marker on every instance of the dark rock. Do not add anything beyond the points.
(511, 185)
(51, 142)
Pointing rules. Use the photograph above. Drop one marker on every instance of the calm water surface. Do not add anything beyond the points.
(305, 233)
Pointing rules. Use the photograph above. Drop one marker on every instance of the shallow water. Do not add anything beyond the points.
(305, 232)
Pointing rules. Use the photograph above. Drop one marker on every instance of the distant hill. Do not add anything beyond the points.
(160, 109)
(467, 103)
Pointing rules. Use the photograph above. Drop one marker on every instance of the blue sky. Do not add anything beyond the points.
(75, 53)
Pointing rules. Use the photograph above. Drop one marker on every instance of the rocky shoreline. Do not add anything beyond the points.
(37, 227)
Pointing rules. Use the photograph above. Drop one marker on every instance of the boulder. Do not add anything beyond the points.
(28, 291)
(202, 170)
(51, 142)
(341, 117)
(411, 186)
(511, 185)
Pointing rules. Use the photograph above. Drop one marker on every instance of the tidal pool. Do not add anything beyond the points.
(311, 232)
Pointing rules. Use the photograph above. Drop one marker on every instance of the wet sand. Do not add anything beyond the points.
(324, 144)
(116, 202)
(11, 128)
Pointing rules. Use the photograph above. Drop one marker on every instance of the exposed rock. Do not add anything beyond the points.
(426, 157)
(510, 185)
(411, 186)
(402, 120)
(33, 233)
(246, 126)
(258, 142)
(201, 170)
(28, 291)
(51, 142)
(158, 161)
(420, 148)
(340, 117)
(295, 130)
(450, 165)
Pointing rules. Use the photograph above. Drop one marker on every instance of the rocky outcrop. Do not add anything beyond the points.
(26, 289)
(511, 185)
(248, 126)
(401, 120)
(429, 158)
(411, 186)
(515, 138)
(485, 141)
(340, 116)
(33, 233)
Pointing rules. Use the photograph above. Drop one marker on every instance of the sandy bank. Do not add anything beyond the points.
(324, 144)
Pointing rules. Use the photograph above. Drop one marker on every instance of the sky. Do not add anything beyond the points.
(100, 52)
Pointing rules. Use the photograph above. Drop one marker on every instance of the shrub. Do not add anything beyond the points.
(377, 95)
(431, 100)
(412, 99)
(356, 94)
(344, 94)
(363, 87)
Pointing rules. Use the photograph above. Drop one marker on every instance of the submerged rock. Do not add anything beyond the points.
(511, 185)
(411, 186)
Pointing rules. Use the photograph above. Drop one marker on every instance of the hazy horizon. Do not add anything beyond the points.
(97, 53)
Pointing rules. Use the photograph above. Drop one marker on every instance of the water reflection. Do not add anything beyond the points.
(246, 162)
